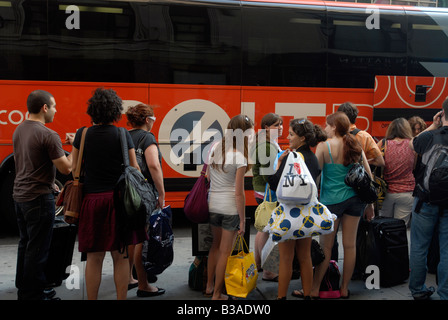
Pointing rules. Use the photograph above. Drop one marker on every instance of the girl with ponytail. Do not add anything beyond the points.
(335, 157)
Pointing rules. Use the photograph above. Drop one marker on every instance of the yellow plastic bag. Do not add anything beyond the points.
(264, 210)
(241, 271)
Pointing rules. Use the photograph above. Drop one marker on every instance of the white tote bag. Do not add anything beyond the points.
(292, 222)
(296, 185)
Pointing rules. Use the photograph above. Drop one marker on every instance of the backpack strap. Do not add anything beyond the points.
(355, 131)
(141, 144)
(124, 146)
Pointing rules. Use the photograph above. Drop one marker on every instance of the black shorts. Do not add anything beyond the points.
(352, 206)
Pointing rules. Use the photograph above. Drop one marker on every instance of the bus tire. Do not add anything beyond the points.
(8, 211)
(9, 216)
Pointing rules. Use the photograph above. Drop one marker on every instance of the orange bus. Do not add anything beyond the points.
(203, 61)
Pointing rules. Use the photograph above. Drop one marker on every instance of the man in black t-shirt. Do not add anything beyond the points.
(37, 154)
(426, 216)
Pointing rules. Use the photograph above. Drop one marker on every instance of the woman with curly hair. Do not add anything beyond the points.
(303, 135)
(98, 231)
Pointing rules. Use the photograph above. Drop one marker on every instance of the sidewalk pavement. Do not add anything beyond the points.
(175, 279)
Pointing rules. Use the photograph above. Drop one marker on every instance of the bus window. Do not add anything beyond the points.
(193, 43)
(428, 44)
(283, 46)
(23, 40)
(356, 54)
(109, 41)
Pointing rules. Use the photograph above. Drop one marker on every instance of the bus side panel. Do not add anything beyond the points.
(312, 103)
(400, 97)
(71, 103)
(189, 117)
(192, 118)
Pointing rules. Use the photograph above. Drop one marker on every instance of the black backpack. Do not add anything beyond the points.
(134, 196)
(435, 180)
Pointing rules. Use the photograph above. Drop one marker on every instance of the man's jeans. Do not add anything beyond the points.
(422, 228)
(35, 220)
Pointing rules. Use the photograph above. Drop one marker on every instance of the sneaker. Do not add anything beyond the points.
(425, 295)
(54, 298)
(49, 293)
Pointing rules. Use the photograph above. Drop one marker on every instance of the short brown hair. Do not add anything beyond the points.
(137, 115)
(350, 110)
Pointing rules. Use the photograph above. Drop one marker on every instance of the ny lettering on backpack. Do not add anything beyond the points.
(435, 180)
(296, 184)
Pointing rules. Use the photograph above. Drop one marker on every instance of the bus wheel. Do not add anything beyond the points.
(8, 211)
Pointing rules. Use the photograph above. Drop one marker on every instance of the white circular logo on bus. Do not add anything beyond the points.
(187, 133)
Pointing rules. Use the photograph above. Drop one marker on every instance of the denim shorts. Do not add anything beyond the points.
(225, 221)
(352, 206)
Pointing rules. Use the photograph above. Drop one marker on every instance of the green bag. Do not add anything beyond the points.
(197, 275)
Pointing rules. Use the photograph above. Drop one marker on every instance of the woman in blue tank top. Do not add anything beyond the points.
(336, 156)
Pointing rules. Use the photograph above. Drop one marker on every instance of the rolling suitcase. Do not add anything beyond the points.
(61, 252)
(387, 248)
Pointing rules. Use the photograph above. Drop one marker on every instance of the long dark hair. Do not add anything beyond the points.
(305, 128)
(268, 120)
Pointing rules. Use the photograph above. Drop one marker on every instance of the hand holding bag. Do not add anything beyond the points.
(264, 210)
(196, 202)
(71, 195)
(241, 271)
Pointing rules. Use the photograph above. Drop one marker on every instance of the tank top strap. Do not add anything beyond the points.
(329, 151)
